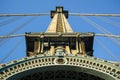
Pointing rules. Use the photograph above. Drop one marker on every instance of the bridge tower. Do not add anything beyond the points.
(59, 36)
(59, 54)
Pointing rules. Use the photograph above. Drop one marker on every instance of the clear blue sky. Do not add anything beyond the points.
(41, 23)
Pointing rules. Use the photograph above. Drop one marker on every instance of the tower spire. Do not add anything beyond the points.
(59, 21)
(59, 38)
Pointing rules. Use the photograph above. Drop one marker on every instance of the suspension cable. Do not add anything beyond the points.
(19, 35)
(73, 14)
(108, 35)
(11, 36)
(22, 25)
(11, 51)
(100, 28)
(85, 14)
(37, 14)
(3, 23)
(17, 29)
(109, 21)
(107, 50)
(1, 18)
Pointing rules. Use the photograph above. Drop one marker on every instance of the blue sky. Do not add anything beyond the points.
(39, 24)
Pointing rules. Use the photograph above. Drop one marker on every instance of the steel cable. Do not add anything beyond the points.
(108, 35)
(100, 28)
(34, 14)
(109, 21)
(2, 41)
(107, 50)
(11, 51)
(3, 23)
(85, 14)
(11, 36)
(1, 18)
